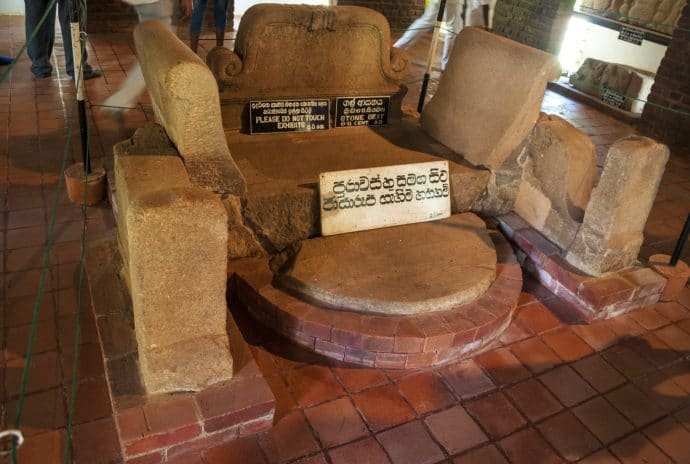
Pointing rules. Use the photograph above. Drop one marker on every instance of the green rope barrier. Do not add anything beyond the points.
(41, 283)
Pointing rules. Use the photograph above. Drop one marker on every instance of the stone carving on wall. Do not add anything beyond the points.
(657, 15)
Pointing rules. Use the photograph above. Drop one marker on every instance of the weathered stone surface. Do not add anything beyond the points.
(185, 99)
(149, 139)
(177, 243)
(559, 174)
(282, 172)
(242, 242)
(474, 112)
(301, 51)
(500, 192)
(454, 263)
(596, 75)
(611, 233)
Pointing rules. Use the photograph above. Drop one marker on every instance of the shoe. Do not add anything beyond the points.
(42, 75)
(90, 74)
(4, 61)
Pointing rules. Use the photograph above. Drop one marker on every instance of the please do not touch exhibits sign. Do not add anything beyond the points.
(362, 199)
(270, 116)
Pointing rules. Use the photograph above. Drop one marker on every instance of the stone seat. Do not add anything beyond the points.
(282, 172)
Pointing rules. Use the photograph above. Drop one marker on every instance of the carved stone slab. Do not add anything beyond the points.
(362, 199)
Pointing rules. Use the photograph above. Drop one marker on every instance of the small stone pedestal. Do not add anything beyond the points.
(676, 276)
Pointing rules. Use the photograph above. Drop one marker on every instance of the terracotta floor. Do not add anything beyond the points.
(615, 391)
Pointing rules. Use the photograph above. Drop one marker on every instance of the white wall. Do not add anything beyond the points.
(587, 40)
(11, 7)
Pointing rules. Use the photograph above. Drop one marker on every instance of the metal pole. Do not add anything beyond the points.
(681, 242)
(432, 55)
(78, 57)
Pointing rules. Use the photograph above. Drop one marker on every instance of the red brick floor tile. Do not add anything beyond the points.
(47, 447)
(672, 310)
(313, 385)
(567, 385)
(495, 414)
(535, 355)
(637, 449)
(600, 374)
(679, 373)
(488, 454)
(96, 442)
(672, 438)
(600, 457)
(24, 259)
(568, 436)
(89, 363)
(383, 407)
(637, 407)
(26, 218)
(26, 283)
(45, 338)
(336, 422)
(527, 447)
(290, 438)
(513, 334)
(663, 390)
(284, 401)
(674, 337)
(191, 458)
(19, 311)
(44, 373)
(467, 379)
(537, 318)
(26, 237)
(627, 361)
(410, 444)
(624, 326)
(524, 394)
(502, 366)
(425, 392)
(243, 450)
(455, 430)
(357, 379)
(649, 318)
(318, 458)
(602, 419)
(41, 412)
(650, 347)
(597, 335)
(367, 451)
(568, 346)
(92, 401)
(170, 413)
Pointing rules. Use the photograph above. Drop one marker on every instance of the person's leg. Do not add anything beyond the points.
(195, 23)
(419, 26)
(134, 85)
(41, 46)
(453, 25)
(221, 21)
(65, 29)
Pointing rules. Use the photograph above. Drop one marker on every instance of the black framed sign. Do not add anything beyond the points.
(361, 111)
(631, 35)
(270, 116)
(612, 98)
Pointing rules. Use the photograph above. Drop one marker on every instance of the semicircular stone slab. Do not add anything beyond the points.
(410, 269)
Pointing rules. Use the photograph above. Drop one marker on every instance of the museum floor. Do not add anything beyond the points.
(609, 392)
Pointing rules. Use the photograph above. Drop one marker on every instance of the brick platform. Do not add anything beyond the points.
(587, 298)
(153, 429)
(395, 342)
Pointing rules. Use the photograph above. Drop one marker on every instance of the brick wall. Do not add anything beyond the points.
(400, 13)
(118, 17)
(538, 23)
(671, 89)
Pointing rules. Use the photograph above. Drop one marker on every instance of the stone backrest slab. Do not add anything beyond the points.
(489, 97)
(185, 100)
(300, 51)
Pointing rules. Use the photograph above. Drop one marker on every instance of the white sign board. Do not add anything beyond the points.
(362, 199)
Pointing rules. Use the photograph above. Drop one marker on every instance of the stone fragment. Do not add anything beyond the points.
(611, 233)
(560, 168)
(177, 242)
(594, 76)
(242, 242)
(454, 263)
(473, 111)
(185, 100)
(149, 139)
